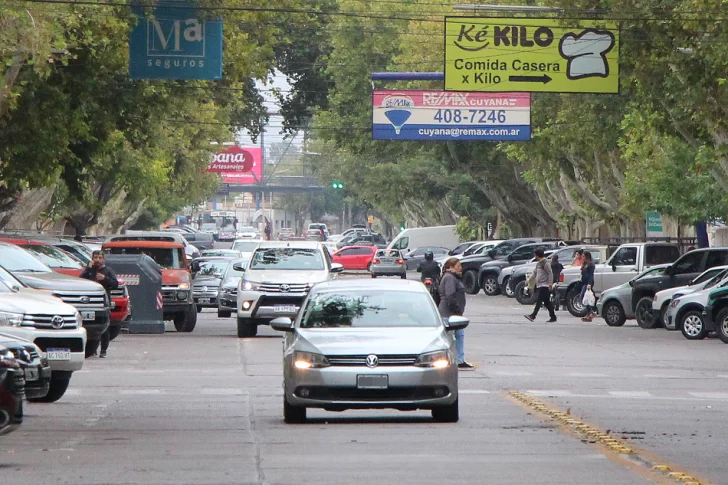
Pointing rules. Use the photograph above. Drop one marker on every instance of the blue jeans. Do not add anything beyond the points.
(460, 345)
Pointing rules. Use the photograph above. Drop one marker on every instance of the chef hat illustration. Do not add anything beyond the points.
(586, 53)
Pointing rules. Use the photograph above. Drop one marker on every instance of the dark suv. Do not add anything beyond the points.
(680, 273)
(489, 272)
(471, 264)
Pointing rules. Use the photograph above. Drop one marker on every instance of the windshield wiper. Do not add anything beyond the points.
(30, 270)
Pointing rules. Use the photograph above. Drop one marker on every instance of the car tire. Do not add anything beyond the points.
(613, 313)
(573, 303)
(114, 331)
(186, 322)
(522, 297)
(293, 414)
(644, 314)
(199, 308)
(58, 386)
(490, 285)
(224, 314)
(663, 314)
(470, 282)
(692, 326)
(247, 328)
(721, 325)
(373, 275)
(404, 276)
(447, 414)
(91, 347)
(506, 288)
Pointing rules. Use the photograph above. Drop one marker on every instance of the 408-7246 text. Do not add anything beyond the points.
(470, 116)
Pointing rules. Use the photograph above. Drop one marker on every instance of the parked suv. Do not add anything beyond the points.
(490, 271)
(277, 280)
(178, 304)
(88, 297)
(55, 327)
(680, 273)
(35, 367)
(12, 391)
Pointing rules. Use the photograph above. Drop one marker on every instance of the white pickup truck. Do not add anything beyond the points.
(626, 262)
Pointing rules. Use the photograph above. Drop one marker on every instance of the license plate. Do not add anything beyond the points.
(284, 308)
(31, 374)
(203, 300)
(58, 354)
(372, 381)
(88, 315)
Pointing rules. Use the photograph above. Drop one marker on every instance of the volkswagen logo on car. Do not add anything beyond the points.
(372, 361)
(57, 322)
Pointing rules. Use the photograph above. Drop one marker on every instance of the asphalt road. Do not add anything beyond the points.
(206, 408)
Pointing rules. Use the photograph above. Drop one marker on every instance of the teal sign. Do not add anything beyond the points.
(175, 43)
(654, 221)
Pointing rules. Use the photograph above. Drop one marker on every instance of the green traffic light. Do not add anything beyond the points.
(337, 185)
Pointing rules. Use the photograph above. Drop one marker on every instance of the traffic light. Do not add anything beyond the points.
(337, 185)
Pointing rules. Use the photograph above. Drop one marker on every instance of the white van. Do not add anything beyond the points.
(440, 236)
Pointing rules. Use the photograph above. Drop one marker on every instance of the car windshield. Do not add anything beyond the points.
(245, 246)
(208, 227)
(211, 268)
(7, 278)
(220, 252)
(369, 308)
(169, 258)
(287, 259)
(717, 278)
(651, 272)
(15, 259)
(53, 257)
(234, 273)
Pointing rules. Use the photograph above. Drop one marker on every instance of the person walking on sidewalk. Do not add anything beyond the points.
(452, 303)
(587, 282)
(100, 273)
(543, 280)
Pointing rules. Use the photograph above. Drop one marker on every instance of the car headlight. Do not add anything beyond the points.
(439, 359)
(181, 295)
(309, 360)
(675, 303)
(184, 286)
(9, 319)
(249, 286)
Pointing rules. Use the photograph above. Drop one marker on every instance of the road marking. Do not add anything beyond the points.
(72, 392)
(221, 392)
(550, 393)
(508, 373)
(473, 391)
(140, 391)
(710, 395)
(635, 394)
(585, 374)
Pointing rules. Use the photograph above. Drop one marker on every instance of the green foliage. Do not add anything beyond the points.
(468, 230)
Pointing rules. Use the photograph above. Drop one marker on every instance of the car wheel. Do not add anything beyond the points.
(293, 414)
(58, 386)
(446, 414)
(643, 313)
(114, 331)
(523, 296)
(574, 304)
(404, 276)
(247, 328)
(186, 322)
(507, 290)
(692, 326)
(490, 285)
(613, 313)
(199, 308)
(721, 325)
(373, 275)
(663, 313)
(470, 282)
(91, 347)
(224, 314)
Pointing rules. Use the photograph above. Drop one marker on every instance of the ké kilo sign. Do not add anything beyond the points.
(439, 115)
(175, 42)
(531, 55)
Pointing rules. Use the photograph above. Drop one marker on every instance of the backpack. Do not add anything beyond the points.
(435, 291)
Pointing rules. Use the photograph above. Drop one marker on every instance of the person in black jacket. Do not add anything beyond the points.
(100, 273)
(452, 302)
(429, 268)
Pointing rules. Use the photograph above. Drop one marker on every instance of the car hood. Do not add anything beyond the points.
(497, 264)
(374, 340)
(700, 296)
(230, 282)
(57, 281)
(290, 276)
(206, 281)
(522, 268)
(37, 302)
(175, 276)
(666, 294)
(624, 288)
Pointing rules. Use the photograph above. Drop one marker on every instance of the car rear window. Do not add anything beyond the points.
(661, 255)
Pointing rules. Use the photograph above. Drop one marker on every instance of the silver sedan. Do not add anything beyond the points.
(388, 262)
(359, 345)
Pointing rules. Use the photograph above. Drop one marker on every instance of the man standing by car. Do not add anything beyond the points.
(543, 278)
(98, 271)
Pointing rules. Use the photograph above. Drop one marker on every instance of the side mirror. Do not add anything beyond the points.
(614, 267)
(510, 258)
(239, 267)
(670, 270)
(282, 324)
(195, 266)
(337, 267)
(491, 254)
(456, 323)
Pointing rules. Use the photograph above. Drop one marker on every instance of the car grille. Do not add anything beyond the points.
(74, 344)
(46, 321)
(117, 293)
(280, 300)
(204, 289)
(390, 394)
(361, 360)
(276, 288)
(78, 299)
(169, 292)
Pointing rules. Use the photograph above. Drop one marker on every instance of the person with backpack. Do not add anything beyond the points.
(542, 280)
(452, 302)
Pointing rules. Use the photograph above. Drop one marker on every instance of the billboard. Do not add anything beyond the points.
(238, 165)
(174, 43)
(490, 54)
(439, 115)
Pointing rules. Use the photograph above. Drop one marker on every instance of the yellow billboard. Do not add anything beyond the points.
(531, 55)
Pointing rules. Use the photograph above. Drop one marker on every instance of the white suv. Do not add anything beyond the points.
(277, 280)
(54, 326)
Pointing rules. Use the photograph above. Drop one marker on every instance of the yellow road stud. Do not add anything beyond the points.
(662, 468)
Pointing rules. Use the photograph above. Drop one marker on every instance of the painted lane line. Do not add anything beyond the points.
(585, 374)
(221, 392)
(473, 391)
(506, 373)
(140, 392)
(550, 392)
(633, 394)
(710, 395)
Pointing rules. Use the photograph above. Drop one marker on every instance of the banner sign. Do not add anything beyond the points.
(239, 165)
(530, 55)
(174, 43)
(438, 115)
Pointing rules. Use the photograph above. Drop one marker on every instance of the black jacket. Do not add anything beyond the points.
(109, 282)
(429, 269)
(452, 295)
